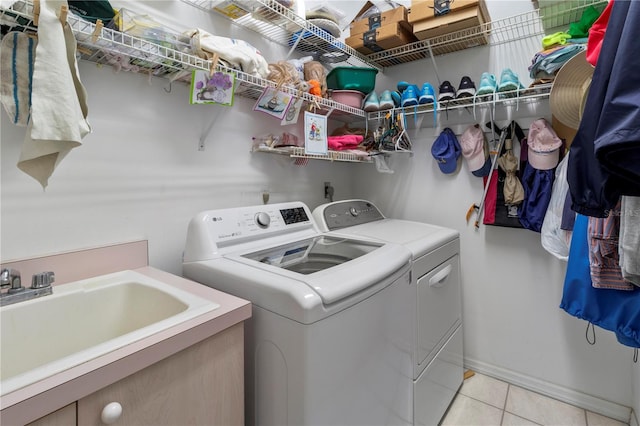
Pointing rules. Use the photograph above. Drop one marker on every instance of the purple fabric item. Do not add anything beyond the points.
(603, 252)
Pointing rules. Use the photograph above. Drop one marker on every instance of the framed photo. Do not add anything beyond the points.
(216, 88)
(315, 133)
(293, 112)
(273, 102)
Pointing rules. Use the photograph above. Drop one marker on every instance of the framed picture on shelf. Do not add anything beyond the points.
(216, 88)
(315, 133)
(273, 102)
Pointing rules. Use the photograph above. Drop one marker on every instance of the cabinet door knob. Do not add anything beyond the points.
(111, 413)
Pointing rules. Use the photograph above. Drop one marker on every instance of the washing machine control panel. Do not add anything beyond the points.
(228, 226)
(350, 213)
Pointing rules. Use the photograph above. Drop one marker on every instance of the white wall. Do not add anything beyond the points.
(139, 175)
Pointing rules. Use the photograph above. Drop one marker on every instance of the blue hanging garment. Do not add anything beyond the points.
(537, 186)
(613, 310)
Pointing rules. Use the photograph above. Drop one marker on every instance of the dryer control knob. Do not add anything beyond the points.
(353, 211)
(262, 219)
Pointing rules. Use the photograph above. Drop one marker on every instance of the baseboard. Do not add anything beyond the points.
(570, 396)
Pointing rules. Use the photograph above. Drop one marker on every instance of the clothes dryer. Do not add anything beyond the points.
(435, 308)
(329, 340)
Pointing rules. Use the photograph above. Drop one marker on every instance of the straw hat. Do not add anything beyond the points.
(569, 91)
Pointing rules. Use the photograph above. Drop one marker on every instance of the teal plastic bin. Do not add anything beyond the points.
(352, 78)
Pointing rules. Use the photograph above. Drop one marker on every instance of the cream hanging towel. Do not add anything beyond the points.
(58, 99)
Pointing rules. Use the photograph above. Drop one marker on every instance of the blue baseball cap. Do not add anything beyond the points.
(446, 151)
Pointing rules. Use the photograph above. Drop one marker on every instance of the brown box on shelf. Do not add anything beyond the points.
(470, 18)
(385, 37)
(397, 15)
(424, 9)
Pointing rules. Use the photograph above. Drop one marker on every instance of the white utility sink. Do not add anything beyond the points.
(85, 319)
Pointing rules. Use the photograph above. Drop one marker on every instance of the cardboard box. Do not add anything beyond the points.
(424, 9)
(397, 15)
(464, 19)
(386, 37)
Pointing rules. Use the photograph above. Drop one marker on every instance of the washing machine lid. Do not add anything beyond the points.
(333, 267)
(419, 238)
(361, 218)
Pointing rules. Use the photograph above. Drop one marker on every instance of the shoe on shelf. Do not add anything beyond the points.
(488, 84)
(509, 81)
(371, 102)
(397, 99)
(386, 101)
(410, 96)
(402, 86)
(466, 89)
(446, 91)
(427, 94)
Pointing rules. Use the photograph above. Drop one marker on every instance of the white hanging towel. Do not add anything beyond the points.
(58, 101)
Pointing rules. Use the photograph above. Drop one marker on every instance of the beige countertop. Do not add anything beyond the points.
(34, 401)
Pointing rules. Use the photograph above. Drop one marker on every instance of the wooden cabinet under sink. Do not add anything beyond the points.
(202, 384)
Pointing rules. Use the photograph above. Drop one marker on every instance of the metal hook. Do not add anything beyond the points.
(170, 85)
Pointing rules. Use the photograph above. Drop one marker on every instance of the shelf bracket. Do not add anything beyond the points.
(294, 47)
(433, 61)
(207, 131)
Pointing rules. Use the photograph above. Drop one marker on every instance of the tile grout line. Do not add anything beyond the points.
(506, 397)
(504, 404)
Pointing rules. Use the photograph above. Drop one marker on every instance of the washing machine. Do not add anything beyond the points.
(435, 308)
(329, 341)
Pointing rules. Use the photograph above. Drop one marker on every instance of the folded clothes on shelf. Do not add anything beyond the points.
(546, 63)
(238, 53)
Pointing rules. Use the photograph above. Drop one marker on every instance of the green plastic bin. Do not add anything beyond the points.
(352, 78)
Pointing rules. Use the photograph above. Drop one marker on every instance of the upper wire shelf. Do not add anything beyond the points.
(105, 46)
(551, 14)
(282, 25)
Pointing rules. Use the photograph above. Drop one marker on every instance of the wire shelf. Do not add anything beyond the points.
(550, 14)
(281, 25)
(507, 98)
(558, 14)
(297, 152)
(105, 46)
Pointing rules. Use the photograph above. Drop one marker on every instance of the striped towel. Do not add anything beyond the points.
(16, 74)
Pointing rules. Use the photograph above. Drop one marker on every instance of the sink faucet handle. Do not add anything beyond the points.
(43, 279)
(10, 278)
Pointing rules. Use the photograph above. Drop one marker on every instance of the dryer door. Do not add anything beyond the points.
(439, 308)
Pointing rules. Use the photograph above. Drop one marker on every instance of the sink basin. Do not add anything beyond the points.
(84, 320)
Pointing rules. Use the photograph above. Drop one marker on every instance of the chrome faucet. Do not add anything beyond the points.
(40, 286)
(11, 278)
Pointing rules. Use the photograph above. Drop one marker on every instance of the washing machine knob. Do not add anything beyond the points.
(353, 211)
(263, 219)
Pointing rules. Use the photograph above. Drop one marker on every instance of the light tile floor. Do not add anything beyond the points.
(483, 400)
